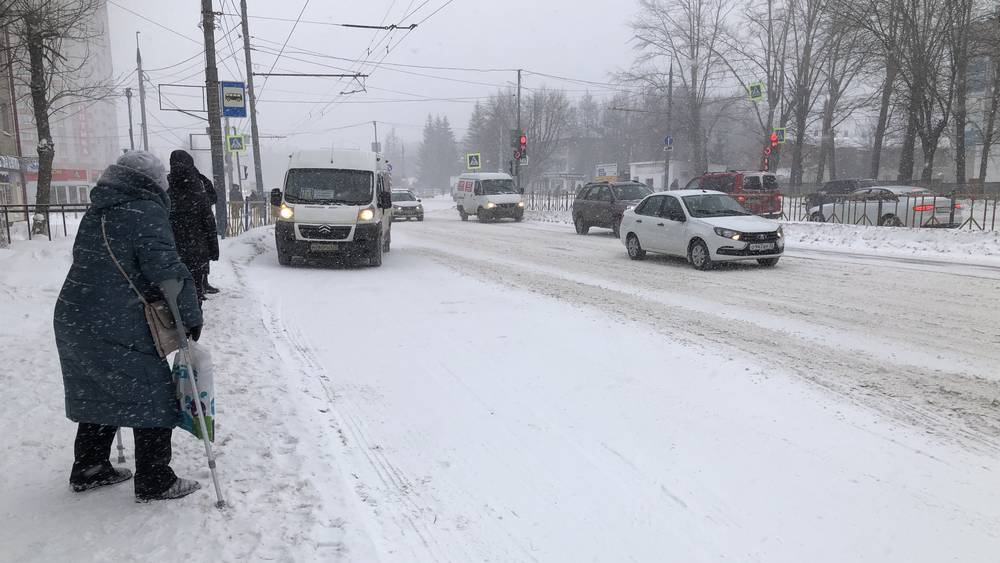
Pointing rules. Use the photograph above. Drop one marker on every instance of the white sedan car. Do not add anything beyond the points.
(891, 206)
(704, 226)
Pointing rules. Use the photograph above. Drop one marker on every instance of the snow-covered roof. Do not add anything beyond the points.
(337, 158)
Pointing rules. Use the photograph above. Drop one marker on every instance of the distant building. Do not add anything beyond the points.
(12, 187)
(86, 135)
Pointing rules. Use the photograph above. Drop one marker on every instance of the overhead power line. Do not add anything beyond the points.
(289, 36)
(333, 24)
(157, 24)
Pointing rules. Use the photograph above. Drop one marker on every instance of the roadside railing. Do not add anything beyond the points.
(549, 201)
(247, 215)
(14, 216)
(974, 212)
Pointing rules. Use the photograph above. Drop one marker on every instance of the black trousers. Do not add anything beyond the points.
(92, 453)
(200, 274)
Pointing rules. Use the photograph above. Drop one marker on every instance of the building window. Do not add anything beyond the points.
(5, 119)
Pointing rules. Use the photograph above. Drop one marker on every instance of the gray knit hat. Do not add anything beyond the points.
(146, 164)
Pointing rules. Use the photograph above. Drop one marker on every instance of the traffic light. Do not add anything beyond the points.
(523, 148)
(774, 139)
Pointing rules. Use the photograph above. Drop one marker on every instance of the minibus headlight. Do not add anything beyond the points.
(365, 215)
(286, 212)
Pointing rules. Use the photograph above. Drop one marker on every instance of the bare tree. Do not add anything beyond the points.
(961, 49)
(991, 48)
(806, 18)
(52, 42)
(847, 47)
(689, 34)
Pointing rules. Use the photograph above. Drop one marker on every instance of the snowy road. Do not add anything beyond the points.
(515, 392)
(518, 393)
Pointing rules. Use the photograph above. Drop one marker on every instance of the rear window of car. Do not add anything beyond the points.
(631, 192)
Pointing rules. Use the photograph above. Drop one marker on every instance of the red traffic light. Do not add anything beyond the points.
(524, 140)
(774, 138)
(767, 151)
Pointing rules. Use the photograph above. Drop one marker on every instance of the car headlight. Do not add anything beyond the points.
(520, 204)
(420, 207)
(490, 205)
(728, 233)
(365, 215)
(781, 233)
(286, 212)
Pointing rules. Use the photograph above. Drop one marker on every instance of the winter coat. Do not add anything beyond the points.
(191, 213)
(112, 373)
(210, 193)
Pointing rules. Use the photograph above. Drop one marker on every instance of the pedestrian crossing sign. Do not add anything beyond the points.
(473, 161)
(236, 144)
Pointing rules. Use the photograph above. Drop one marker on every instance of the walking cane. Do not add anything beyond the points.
(171, 291)
(121, 448)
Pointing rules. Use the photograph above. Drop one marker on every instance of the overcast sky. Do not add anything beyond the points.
(585, 40)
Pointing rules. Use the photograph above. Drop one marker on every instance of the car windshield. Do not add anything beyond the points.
(770, 183)
(713, 205)
(631, 192)
(403, 196)
(328, 186)
(497, 187)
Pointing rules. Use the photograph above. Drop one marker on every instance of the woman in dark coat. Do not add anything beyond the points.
(191, 218)
(112, 373)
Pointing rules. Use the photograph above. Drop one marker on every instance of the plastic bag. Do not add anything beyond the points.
(200, 362)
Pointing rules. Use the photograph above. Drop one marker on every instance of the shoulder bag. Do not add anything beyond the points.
(161, 322)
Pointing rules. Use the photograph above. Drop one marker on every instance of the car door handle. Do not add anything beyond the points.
(638, 220)
(659, 224)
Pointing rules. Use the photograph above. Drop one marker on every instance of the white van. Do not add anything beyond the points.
(334, 203)
(488, 196)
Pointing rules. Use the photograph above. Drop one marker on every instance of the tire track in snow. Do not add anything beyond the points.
(901, 392)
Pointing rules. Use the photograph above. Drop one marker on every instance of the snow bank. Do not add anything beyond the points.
(952, 244)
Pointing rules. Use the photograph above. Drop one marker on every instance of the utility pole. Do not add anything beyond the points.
(375, 147)
(517, 163)
(670, 124)
(214, 116)
(142, 93)
(229, 158)
(258, 174)
(131, 136)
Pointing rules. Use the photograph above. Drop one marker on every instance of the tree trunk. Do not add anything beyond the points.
(826, 144)
(909, 146)
(883, 116)
(991, 118)
(798, 147)
(40, 105)
(961, 118)
(833, 154)
(927, 173)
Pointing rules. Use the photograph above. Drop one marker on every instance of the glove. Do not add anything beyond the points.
(195, 333)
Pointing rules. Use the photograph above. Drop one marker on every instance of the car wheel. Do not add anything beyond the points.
(387, 246)
(817, 217)
(482, 216)
(463, 214)
(581, 227)
(519, 217)
(635, 251)
(375, 256)
(700, 257)
(420, 218)
(768, 262)
(284, 258)
(890, 221)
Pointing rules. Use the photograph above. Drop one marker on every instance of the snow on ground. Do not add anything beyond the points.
(515, 392)
(970, 246)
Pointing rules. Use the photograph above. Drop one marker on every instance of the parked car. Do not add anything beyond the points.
(837, 190)
(891, 206)
(601, 204)
(706, 227)
(406, 205)
(758, 192)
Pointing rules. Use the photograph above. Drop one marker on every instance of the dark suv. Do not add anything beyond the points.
(837, 190)
(601, 204)
(756, 191)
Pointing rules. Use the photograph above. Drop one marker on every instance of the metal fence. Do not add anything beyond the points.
(976, 212)
(243, 216)
(13, 216)
(247, 215)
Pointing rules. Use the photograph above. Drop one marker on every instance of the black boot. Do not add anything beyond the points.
(98, 476)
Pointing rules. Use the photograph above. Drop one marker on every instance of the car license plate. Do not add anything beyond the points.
(323, 247)
(758, 246)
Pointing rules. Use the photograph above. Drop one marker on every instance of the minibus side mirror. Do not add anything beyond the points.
(276, 197)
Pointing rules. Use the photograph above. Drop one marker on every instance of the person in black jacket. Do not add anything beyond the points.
(212, 196)
(191, 218)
